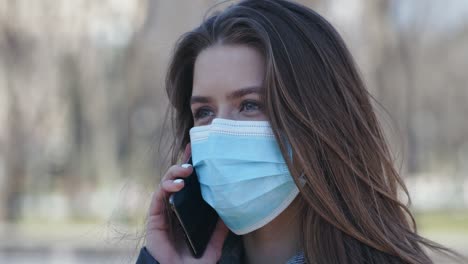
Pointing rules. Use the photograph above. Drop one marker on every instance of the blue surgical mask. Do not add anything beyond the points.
(242, 173)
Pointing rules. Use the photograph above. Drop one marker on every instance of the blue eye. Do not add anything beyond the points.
(250, 106)
(202, 113)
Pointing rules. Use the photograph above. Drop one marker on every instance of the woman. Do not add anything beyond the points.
(283, 131)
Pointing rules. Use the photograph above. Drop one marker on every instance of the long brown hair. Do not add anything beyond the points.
(316, 103)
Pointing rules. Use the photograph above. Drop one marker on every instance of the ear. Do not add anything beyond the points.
(187, 152)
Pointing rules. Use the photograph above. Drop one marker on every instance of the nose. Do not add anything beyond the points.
(225, 112)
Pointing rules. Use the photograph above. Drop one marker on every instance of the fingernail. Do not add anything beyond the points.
(186, 165)
(177, 181)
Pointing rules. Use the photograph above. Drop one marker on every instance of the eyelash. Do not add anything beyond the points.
(200, 112)
(252, 102)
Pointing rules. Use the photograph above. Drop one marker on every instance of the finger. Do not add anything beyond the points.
(167, 186)
(157, 202)
(177, 171)
(215, 245)
(171, 186)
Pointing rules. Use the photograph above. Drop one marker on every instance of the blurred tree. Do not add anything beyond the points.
(84, 86)
(14, 50)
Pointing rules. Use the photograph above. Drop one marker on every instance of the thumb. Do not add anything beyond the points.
(216, 243)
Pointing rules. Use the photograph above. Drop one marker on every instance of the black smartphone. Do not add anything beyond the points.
(197, 218)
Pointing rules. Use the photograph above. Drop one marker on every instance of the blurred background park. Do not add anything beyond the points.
(82, 103)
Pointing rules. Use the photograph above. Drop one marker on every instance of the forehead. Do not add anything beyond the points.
(223, 68)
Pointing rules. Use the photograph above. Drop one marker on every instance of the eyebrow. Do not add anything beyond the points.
(243, 92)
(233, 95)
(200, 99)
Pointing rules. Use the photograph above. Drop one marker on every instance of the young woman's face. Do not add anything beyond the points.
(227, 84)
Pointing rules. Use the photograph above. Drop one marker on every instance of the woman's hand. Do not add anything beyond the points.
(158, 241)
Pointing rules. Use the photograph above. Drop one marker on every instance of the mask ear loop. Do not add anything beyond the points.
(302, 180)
